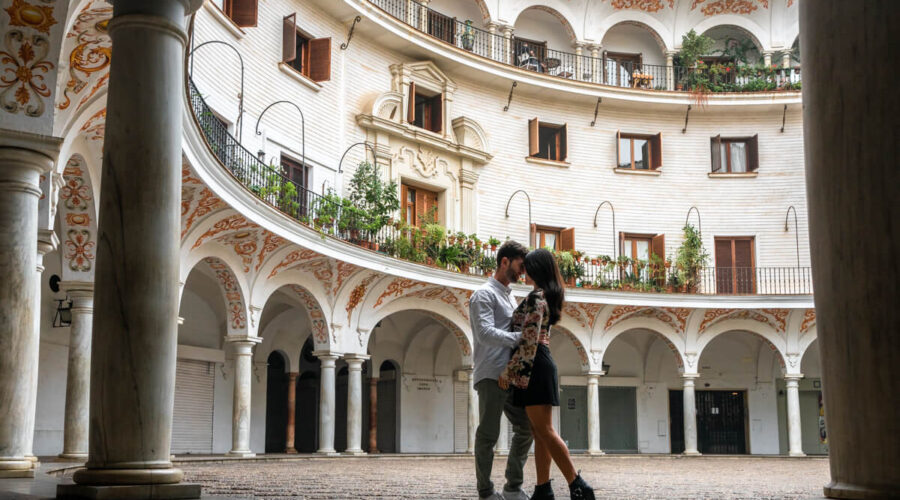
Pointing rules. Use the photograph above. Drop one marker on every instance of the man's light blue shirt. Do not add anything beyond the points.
(490, 313)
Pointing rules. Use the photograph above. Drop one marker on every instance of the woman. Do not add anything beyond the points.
(532, 373)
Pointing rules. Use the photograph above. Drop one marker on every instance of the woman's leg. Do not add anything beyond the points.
(542, 426)
(542, 461)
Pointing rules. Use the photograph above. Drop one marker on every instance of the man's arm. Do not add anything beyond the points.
(480, 309)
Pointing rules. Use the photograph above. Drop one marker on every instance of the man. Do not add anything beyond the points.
(490, 312)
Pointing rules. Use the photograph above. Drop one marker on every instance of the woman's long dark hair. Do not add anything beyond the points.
(541, 267)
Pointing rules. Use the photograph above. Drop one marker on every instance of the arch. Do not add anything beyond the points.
(807, 340)
(232, 294)
(768, 335)
(579, 347)
(311, 305)
(277, 365)
(77, 221)
(659, 31)
(563, 19)
(445, 315)
(652, 325)
(750, 28)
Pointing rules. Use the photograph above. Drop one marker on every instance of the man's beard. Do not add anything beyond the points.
(512, 275)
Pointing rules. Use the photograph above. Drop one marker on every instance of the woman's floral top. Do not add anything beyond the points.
(532, 318)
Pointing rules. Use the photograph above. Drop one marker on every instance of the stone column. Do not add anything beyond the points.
(291, 413)
(468, 182)
(593, 414)
(423, 15)
(502, 446)
(473, 413)
(78, 381)
(243, 388)
(136, 294)
(508, 56)
(767, 57)
(857, 318)
(670, 69)
(596, 64)
(690, 416)
(579, 61)
(373, 415)
(795, 440)
(492, 42)
(23, 158)
(354, 404)
(786, 59)
(326, 403)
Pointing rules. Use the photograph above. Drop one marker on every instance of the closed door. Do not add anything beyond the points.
(721, 422)
(387, 413)
(735, 271)
(192, 419)
(812, 423)
(573, 417)
(306, 414)
(618, 419)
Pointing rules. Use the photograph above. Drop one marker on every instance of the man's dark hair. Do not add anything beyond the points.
(512, 250)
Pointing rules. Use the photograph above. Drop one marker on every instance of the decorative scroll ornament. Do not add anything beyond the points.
(728, 6)
(643, 5)
(26, 15)
(93, 53)
(23, 73)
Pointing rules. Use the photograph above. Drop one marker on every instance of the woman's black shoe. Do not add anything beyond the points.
(543, 492)
(580, 490)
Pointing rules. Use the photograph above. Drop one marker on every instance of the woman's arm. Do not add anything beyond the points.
(518, 370)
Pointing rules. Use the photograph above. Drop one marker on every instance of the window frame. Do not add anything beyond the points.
(540, 231)
(405, 204)
(719, 165)
(561, 139)
(733, 282)
(314, 54)
(432, 118)
(228, 8)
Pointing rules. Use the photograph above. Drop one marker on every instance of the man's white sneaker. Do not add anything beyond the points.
(514, 495)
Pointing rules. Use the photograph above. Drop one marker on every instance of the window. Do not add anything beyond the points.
(425, 109)
(735, 155)
(311, 57)
(735, 265)
(645, 247)
(242, 12)
(547, 141)
(417, 204)
(299, 175)
(554, 238)
(638, 151)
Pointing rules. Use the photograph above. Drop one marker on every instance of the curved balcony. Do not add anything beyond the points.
(335, 219)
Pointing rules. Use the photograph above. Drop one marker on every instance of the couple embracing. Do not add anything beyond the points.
(515, 374)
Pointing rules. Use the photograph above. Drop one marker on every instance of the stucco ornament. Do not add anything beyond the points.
(23, 79)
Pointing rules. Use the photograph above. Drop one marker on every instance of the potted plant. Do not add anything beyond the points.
(488, 264)
(467, 37)
(566, 263)
(493, 242)
(690, 259)
(377, 199)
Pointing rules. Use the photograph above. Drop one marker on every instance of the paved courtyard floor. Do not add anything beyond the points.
(662, 477)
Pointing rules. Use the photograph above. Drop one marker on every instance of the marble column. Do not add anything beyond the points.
(593, 414)
(492, 42)
(690, 416)
(502, 447)
(579, 61)
(373, 415)
(291, 413)
(473, 413)
(508, 56)
(670, 69)
(786, 59)
(354, 404)
(23, 158)
(423, 15)
(136, 283)
(78, 380)
(795, 440)
(243, 387)
(767, 57)
(853, 232)
(326, 403)
(596, 64)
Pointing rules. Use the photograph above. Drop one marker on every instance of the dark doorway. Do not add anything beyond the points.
(340, 409)
(306, 417)
(276, 403)
(618, 419)
(721, 422)
(573, 416)
(387, 408)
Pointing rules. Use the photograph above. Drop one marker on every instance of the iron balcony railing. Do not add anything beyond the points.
(536, 57)
(334, 217)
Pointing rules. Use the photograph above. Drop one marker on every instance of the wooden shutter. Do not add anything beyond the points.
(618, 140)
(420, 206)
(567, 239)
(431, 203)
(658, 246)
(404, 203)
(743, 263)
(723, 253)
(243, 13)
(437, 113)
(532, 236)
(411, 104)
(656, 151)
(564, 142)
(289, 38)
(320, 59)
(716, 145)
(753, 153)
(724, 270)
(534, 144)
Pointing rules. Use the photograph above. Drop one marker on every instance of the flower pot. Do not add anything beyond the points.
(493, 248)
(570, 282)
(464, 268)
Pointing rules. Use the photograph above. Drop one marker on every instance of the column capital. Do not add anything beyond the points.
(293, 375)
(507, 29)
(468, 177)
(595, 375)
(242, 344)
(47, 241)
(793, 377)
(77, 289)
(356, 357)
(43, 145)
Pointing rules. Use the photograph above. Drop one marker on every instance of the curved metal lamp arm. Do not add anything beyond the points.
(613, 210)
(529, 210)
(240, 119)
(796, 230)
(364, 143)
(699, 222)
(302, 128)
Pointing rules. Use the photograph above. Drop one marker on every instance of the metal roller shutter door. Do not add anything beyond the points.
(192, 429)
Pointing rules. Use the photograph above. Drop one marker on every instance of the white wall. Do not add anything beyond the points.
(634, 39)
(542, 26)
(426, 414)
(54, 360)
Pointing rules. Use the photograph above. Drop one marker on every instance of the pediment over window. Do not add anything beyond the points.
(425, 74)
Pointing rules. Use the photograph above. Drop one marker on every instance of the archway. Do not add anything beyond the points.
(387, 407)
(813, 436)
(276, 402)
(631, 46)
(571, 417)
(306, 436)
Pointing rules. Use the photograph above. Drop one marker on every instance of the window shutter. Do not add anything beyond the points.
(567, 239)
(753, 153)
(532, 240)
(618, 140)
(289, 38)
(658, 246)
(743, 263)
(431, 205)
(723, 253)
(656, 151)
(621, 243)
(411, 104)
(404, 203)
(320, 59)
(243, 13)
(716, 146)
(437, 117)
(534, 146)
(743, 253)
(564, 142)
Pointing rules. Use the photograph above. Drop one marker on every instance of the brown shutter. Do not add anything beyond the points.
(716, 146)
(618, 140)
(753, 153)
(534, 145)
(723, 253)
(320, 59)
(243, 13)
(437, 116)
(656, 151)
(421, 212)
(564, 142)
(658, 246)
(431, 206)
(743, 263)
(411, 103)
(532, 237)
(404, 203)
(567, 239)
(289, 38)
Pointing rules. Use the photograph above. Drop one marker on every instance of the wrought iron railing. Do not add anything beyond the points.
(607, 71)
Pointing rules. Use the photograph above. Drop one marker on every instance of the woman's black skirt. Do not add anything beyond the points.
(543, 386)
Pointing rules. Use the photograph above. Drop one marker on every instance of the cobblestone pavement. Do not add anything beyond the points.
(453, 477)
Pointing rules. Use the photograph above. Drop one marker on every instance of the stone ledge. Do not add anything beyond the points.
(160, 491)
(547, 163)
(296, 75)
(224, 20)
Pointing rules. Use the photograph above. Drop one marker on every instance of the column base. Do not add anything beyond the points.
(796, 454)
(596, 453)
(845, 490)
(355, 453)
(16, 473)
(291, 451)
(32, 458)
(16, 465)
(692, 453)
(502, 453)
(79, 457)
(125, 492)
(241, 454)
(328, 453)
